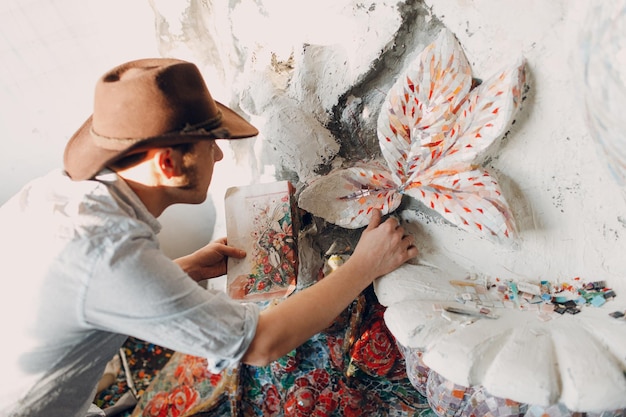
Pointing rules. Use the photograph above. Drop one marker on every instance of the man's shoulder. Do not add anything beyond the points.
(56, 199)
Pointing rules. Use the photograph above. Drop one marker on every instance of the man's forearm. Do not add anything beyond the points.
(382, 248)
(292, 322)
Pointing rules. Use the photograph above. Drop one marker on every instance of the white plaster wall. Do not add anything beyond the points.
(51, 53)
(569, 209)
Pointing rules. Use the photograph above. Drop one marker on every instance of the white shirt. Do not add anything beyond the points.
(82, 270)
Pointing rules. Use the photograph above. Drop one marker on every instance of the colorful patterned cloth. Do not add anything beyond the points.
(353, 368)
(145, 360)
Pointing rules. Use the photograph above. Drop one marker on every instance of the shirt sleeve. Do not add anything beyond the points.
(138, 291)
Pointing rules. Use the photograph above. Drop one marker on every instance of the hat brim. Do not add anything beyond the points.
(83, 158)
(237, 126)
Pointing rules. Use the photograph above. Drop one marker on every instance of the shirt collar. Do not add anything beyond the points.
(121, 188)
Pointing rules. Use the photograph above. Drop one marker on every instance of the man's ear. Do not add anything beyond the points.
(169, 161)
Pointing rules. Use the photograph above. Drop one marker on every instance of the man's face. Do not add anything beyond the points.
(205, 154)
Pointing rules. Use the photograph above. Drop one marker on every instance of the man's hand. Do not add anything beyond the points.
(383, 246)
(209, 261)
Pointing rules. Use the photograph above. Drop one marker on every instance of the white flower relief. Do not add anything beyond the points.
(434, 124)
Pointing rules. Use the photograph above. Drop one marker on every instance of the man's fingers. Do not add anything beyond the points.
(375, 219)
(226, 250)
(233, 252)
(411, 249)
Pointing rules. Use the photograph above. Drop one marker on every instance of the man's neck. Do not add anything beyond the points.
(152, 196)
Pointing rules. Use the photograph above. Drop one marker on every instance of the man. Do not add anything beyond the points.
(84, 265)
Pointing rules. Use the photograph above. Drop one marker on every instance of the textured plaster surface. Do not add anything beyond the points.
(312, 76)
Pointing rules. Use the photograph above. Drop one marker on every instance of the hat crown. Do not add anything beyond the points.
(149, 98)
(148, 103)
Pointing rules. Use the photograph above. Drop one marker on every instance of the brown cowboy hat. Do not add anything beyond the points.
(145, 104)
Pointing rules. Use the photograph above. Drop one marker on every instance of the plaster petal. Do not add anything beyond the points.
(525, 354)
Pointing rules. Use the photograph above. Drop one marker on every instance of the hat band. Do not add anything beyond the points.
(208, 127)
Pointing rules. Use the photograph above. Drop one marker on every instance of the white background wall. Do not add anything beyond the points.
(570, 210)
(51, 54)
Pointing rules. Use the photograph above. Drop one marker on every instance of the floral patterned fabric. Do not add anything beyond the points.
(353, 368)
(145, 360)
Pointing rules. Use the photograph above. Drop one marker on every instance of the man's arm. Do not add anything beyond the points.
(382, 248)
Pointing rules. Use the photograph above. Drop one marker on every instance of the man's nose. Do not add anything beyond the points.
(218, 155)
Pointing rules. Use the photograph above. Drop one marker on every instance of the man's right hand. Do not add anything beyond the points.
(384, 246)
